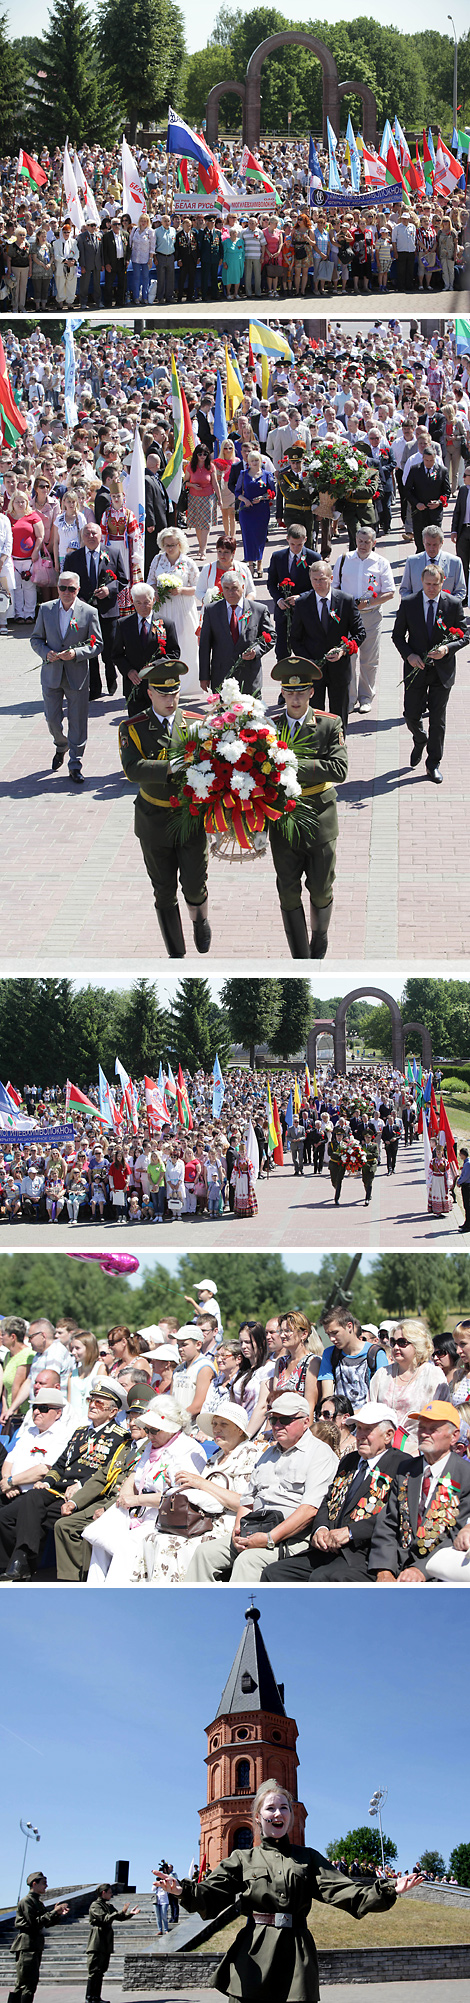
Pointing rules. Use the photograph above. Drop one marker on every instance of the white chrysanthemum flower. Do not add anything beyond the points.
(230, 690)
(353, 465)
(243, 784)
(231, 748)
(283, 755)
(199, 777)
(290, 784)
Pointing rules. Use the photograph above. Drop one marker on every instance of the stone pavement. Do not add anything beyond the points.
(75, 897)
(364, 1992)
(293, 1212)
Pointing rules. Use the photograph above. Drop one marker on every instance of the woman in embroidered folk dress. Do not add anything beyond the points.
(274, 1884)
(243, 1184)
(218, 1490)
(439, 1192)
(411, 1379)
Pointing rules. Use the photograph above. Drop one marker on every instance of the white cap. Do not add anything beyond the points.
(236, 1413)
(108, 1387)
(206, 1286)
(166, 1353)
(153, 1332)
(189, 1332)
(369, 1328)
(375, 1415)
(290, 1405)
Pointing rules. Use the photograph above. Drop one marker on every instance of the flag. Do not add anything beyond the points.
(444, 1128)
(406, 162)
(352, 157)
(133, 191)
(181, 139)
(184, 1119)
(182, 1090)
(420, 183)
(375, 172)
(12, 422)
(264, 375)
(172, 478)
(314, 167)
(85, 192)
(234, 391)
(8, 1115)
(429, 159)
(12, 1094)
(447, 171)
(265, 341)
(161, 1080)
(135, 484)
(307, 1087)
(252, 1151)
(108, 1107)
(462, 336)
(31, 169)
(72, 198)
(155, 1103)
(255, 175)
(387, 135)
(289, 1111)
(315, 1086)
(393, 173)
(296, 1097)
(278, 1155)
(427, 1157)
(218, 1090)
(334, 178)
(73, 321)
(272, 1135)
(182, 177)
(75, 1098)
(120, 1073)
(463, 140)
(220, 424)
(188, 433)
(170, 1088)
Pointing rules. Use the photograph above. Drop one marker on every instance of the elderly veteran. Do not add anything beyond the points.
(42, 1436)
(368, 578)
(345, 1522)
(278, 1500)
(66, 634)
(318, 742)
(427, 1514)
(145, 745)
(86, 1472)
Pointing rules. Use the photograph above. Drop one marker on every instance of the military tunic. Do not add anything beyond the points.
(100, 1943)
(95, 1457)
(31, 1919)
(144, 746)
(278, 1964)
(318, 742)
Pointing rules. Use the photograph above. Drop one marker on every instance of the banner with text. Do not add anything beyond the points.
(372, 198)
(209, 205)
(21, 1135)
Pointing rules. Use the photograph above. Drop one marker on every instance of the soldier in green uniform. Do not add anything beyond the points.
(32, 1918)
(337, 1157)
(297, 496)
(318, 742)
(370, 1166)
(101, 1938)
(145, 744)
(274, 1885)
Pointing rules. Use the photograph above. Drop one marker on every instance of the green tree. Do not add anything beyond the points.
(459, 1863)
(444, 1007)
(198, 1029)
(144, 1029)
(254, 1010)
(201, 71)
(226, 20)
(142, 47)
(13, 76)
(414, 1284)
(431, 1860)
(363, 1843)
(376, 1028)
(289, 1035)
(68, 100)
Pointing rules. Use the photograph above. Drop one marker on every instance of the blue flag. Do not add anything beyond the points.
(314, 163)
(161, 1080)
(334, 178)
(218, 1092)
(354, 161)
(428, 1090)
(220, 422)
(431, 146)
(71, 412)
(289, 1111)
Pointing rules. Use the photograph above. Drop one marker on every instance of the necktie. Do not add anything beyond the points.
(430, 621)
(425, 1487)
(356, 1485)
(234, 626)
(325, 615)
(145, 629)
(93, 572)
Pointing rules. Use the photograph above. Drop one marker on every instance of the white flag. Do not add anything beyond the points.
(133, 193)
(427, 1154)
(252, 1151)
(135, 483)
(86, 193)
(72, 198)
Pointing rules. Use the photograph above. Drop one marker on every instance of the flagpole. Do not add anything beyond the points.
(16, 185)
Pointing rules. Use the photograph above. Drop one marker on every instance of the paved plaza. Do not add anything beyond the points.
(335, 1992)
(75, 896)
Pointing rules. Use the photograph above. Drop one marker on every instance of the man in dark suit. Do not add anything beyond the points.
(115, 248)
(345, 1522)
(101, 576)
(324, 620)
(140, 638)
(420, 634)
(156, 506)
(204, 432)
(428, 1504)
(294, 563)
(461, 524)
(234, 637)
(89, 249)
(382, 458)
(427, 487)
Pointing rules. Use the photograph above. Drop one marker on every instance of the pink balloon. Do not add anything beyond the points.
(110, 1262)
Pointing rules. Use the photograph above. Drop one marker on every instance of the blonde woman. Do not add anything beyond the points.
(224, 466)
(411, 1379)
(87, 1368)
(174, 561)
(256, 490)
(67, 530)
(297, 1369)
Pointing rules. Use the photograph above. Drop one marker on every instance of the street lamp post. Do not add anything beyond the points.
(376, 1805)
(31, 1835)
(454, 96)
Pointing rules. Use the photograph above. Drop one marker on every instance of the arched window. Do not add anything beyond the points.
(242, 1838)
(242, 1774)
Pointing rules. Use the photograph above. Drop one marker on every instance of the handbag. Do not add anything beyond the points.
(259, 1519)
(178, 1514)
(42, 570)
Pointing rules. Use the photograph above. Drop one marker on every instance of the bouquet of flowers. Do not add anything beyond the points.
(235, 775)
(340, 471)
(164, 587)
(443, 636)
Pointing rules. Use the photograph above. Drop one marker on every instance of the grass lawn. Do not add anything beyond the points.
(411, 1922)
(457, 1105)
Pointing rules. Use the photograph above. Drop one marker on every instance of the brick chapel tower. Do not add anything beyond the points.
(251, 1739)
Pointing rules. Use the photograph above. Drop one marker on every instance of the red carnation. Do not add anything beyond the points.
(352, 646)
(456, 633)
(290, 805)
(174, 801)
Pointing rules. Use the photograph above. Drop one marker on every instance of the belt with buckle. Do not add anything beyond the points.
(273, 1919)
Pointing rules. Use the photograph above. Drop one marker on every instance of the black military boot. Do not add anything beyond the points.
(320, 928)
(200, 925)
(296, 932)
(172, 931)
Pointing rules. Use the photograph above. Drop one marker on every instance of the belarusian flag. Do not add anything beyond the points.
(444, 1128)
(255, 175)
(75, 1098)
(31, 169)
(420, 179)
(278, 1155)
(12, 422)
(447, 170)
(172, 478)
(13, 1095)
(182, 1094)
(375, 173)
(182, 177)
(428, 163)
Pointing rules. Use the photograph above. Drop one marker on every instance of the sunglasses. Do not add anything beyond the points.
(285, 1421)
(399, 1342)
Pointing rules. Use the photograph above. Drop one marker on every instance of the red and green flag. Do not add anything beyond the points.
(428, 163)
(12, 422)
(256, 177)
(83, 1105)
(182, 177)
(185, 1117)
(30, 169)
(278, 1155)
(445, 1128)
(420, 182)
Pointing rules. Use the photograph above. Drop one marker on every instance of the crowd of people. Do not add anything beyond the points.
(294, 250)
(281, 1451)
(147, 607)
(348, 1129)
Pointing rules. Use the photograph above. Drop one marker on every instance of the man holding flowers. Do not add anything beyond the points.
(428, 632)
(318, 743)
(147, 745)
(327, 628)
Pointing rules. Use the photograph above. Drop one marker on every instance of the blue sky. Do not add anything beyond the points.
(105, 1697)
(199, 21)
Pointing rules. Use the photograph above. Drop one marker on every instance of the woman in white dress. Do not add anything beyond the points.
(217, 1490)
(7, 574)
(411, 1379)
(180, 605)
(67, 530)
(118, 1537)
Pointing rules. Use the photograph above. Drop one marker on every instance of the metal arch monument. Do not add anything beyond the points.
(250, 93)
(400, 1030)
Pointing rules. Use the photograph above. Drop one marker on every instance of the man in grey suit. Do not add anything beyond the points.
(433, 552)
(65, 634)
(235, 634)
